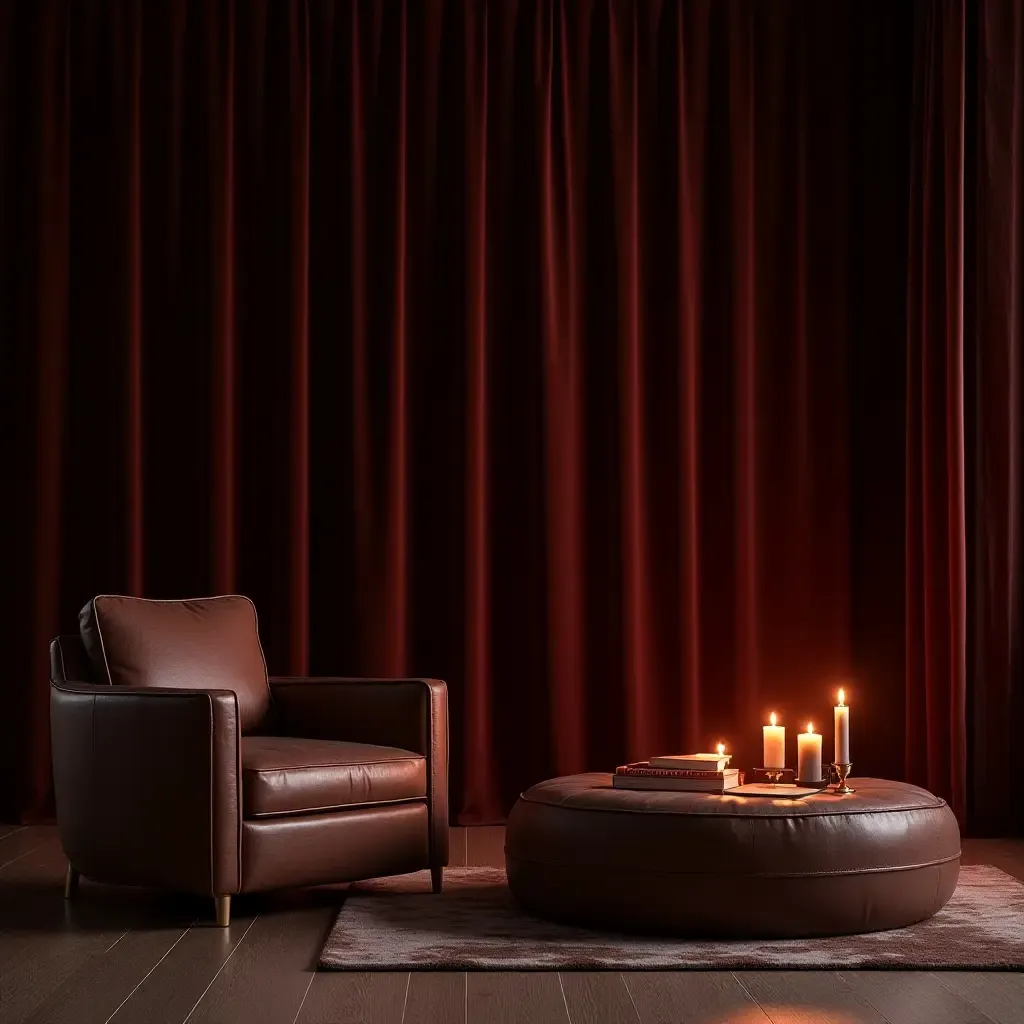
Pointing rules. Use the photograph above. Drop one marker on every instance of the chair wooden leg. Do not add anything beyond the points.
(71, 883)
(223, 904)
(436, 876)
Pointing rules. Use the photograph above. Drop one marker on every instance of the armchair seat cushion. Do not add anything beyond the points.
(284, 775)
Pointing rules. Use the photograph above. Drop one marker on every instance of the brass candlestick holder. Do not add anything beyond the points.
(842, 771)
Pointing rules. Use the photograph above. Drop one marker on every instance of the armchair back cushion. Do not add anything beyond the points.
(207, 642)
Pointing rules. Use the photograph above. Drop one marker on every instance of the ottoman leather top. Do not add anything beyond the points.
(881, 857)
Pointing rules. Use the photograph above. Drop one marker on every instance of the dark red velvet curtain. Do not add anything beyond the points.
(965, 685)
(599, 357)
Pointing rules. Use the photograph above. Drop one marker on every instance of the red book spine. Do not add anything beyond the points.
(667, 773)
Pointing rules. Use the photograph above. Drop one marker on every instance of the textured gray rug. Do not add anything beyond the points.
(397, 924)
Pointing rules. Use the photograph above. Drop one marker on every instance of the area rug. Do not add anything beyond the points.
(397, 924)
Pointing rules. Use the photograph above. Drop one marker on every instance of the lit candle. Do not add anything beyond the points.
(808, 755)
(774, 745)
(721, 750)
(842, 713)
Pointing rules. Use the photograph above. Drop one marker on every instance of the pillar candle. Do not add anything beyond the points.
(808, 755)
(842, 713)
(774, 745)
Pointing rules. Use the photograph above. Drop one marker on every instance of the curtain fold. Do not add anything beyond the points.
(692, 44)
(995, 433)
(34, 276)
(936, 566)
(965, 687)
(481, 785)
(563, 114)
(604, 358)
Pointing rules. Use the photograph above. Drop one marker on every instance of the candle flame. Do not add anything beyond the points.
(721, 749)
(772, 716)
(842, 696)
(810, 727)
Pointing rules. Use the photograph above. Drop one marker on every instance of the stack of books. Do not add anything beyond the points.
(692, 773)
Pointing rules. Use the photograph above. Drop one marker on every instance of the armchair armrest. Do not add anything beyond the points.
(146, 781)
(407, 713)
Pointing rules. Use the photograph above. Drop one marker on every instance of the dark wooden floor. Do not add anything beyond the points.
(127, 955)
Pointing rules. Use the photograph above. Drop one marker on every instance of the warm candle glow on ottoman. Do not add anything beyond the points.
(842, 715)
(842, 764)
(774, 744)
(808, 757)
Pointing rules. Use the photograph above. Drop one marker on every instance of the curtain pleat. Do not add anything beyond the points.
(299, 256)
(481, 786)
(936, 583)
(562, 215)
(34, 290)
(995, 416)
(220, 68)
(691, 74)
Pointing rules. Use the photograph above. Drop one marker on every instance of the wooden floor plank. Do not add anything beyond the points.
(40, 964)
(29, 890)
(355, 997)
(807, 997)
(912, 997)
(25, 840)
(267, 979)
(6, 830)
(600, 997)
(486, 846)
(178, 981)
(93, 992)
(53, 950)
(436, 997)
(38, 947)
(500, 997)
(697, 997)
(999, 995)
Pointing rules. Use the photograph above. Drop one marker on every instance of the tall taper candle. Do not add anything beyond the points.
(808, 755)
(842, 713)
(774, 745)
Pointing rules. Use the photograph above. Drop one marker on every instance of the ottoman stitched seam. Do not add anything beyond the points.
(938, 874)
(718, 814)
(755, 874)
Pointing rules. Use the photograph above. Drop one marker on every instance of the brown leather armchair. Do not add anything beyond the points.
(179, 764)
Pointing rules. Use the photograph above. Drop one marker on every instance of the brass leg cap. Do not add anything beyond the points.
(223, 905)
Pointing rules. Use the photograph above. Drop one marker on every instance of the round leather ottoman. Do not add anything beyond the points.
(579, 851)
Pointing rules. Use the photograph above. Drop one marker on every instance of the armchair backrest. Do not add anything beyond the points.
(201, 643)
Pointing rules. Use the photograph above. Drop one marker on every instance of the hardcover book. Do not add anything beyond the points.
(692, 762)
(644, 768)
(729, 780)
